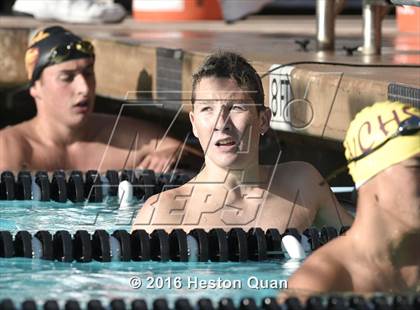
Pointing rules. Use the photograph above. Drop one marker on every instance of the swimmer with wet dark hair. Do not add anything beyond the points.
(233, 189)
(65, 134)
(381, 251)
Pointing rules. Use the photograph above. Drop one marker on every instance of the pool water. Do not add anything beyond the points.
(41, 280)
(52, 216)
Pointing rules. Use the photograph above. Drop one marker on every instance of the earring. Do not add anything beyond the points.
(262, 134)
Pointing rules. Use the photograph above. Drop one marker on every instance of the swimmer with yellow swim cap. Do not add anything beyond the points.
(381, 250)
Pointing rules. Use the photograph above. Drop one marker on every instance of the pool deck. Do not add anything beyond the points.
(153, 58)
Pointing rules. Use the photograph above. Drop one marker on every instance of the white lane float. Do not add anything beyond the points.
(292, 247)
(36, 190)
(125, 193)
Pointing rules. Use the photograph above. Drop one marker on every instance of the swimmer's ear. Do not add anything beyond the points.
(191, 114)
(265, 118)
(33, 90)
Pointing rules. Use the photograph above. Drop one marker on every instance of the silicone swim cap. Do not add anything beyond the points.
(53, 45)
(369, 129)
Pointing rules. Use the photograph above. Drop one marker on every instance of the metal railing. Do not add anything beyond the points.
(374, 12)
(326, 11)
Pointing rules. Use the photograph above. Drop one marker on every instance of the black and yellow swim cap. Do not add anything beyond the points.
(53, 45)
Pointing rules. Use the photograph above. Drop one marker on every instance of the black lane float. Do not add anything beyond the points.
(74, 186)
(348, 302)
(217, 245)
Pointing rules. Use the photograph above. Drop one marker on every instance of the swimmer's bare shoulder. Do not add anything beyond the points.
(323, 271)
(304, 178)
(294, 175)
(157, 211)
(15, 146)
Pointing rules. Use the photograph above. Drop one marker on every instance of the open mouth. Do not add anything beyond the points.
(81, 107)
(226, 142)
(82, 104)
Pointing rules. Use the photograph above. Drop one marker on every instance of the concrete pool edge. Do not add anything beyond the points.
(335, 93)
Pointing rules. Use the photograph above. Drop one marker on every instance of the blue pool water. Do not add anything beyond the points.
(41, 280)
(34, 215)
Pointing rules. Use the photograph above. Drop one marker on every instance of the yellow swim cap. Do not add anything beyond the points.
(371, 127)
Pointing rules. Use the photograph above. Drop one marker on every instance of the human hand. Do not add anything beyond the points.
(160, 161)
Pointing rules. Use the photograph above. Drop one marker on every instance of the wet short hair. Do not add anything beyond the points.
(231, 65)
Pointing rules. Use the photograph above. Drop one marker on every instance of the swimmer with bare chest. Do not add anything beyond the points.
(233, 189)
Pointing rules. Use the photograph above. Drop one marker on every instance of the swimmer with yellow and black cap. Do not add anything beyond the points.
(66, 133)
(54, 45)
(381, 250)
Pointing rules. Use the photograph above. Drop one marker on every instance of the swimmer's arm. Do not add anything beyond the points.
(330, 212)
(162, 151)
(146, 142)
(159, 161)
(166, 152)
(155, 149)
(11, 153)
(166, 159)
(317, 274)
